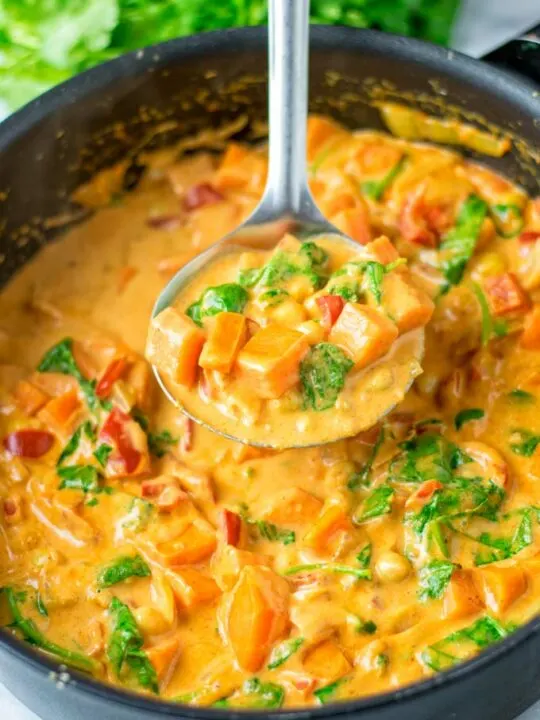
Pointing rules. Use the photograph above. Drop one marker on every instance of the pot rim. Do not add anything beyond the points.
(516, 90)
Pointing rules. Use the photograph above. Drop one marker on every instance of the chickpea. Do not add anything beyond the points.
(300, 288)
(288, 313)
(391, 567)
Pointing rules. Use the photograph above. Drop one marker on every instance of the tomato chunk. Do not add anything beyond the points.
(529, 236)
(120, 430)
(231, 527)
(29, 443)
(113, 372)
(331, 307)
(200, 195)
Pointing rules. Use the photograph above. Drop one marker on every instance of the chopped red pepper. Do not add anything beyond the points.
(29, 443)
(113, 372)
(331, 307)
(165, 492)
(423, 494)
(116, 430)
(529, 236)
(421, 223)
(199, 195)
(231, 527)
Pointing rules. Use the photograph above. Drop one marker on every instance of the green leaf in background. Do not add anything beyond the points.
(43, 42)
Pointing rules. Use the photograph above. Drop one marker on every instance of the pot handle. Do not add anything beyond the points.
(522, 55)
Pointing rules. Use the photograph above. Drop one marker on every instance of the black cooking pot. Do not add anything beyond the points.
(153, 97)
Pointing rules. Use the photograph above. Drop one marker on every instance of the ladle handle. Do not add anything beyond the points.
(288, 33)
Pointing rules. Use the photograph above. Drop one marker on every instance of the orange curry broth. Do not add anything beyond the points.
(256, 578)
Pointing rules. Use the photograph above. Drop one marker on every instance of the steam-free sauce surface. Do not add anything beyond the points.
(165, 559)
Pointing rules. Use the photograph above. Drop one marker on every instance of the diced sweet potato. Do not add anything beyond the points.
(383, 251)
(164, 656)
(505, 294)
(270, 361)
(228, 562)
(354, 222)
(241, 169)
(226, 336)
(192, 587)
(61, 412)
(174, 345)
(320, 131)
(195, 543)
(293, 507)
(332, 519)
(364, 333)
(530, 337)
(408, 306)
(326, 661)
(461, 597)
(256, 615)
(29, 398)
(500, 586)
(53, 383)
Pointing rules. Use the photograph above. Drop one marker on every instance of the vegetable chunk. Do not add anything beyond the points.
(406, 304)
(364, 333)
(270, 361)
(174, 345)
(226, 336)
(326, 661)
(461, 597)
(505, 294)
(501, 586)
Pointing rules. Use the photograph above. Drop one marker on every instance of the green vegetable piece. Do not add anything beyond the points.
(40, 606)
(139, 515)
(272, 297)
(140, 418)
(376, 504)
(102, 454)
(434, 578)
(366, 627)
(229, 297)
(282, 652)
(322, 375)
(250, 277)
(79, 477)
(361, 478)
(508, 219)
(374, 274)
(315, 254)
(327, 693)
(364, 556)
(268, 530)
(521, 397)
(502, 548)
(60, 359)
(125, 646)
(256, 694)
(460, 242)
(525, 443)
(74, 442)
(121, 569)
(31, 633)
(158, 442)
(465, 416)
(361, 573)
(375, 188)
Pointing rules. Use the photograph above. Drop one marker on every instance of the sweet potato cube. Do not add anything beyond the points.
(256, 615)
(320, 130)
(383, 251)
(194, 544)
(192, 587)
(174, 345)
(271, 359)
(289, 244)
(61, 411)
(505, 294)
(164, 656)
(409, 306)
(461, 597)
(228, 562)
(226, 336)
(530, 337)
(364, 333)
(500, 586)
(333, 519)
(326, 661)
(293, 507)
(29, 398)
(354, 222)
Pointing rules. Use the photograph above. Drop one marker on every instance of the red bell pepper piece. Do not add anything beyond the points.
(115, 431)
(29, 443)
(529, 236)
(113, 372)
(199, 195)
(331, 307)
(231, 527)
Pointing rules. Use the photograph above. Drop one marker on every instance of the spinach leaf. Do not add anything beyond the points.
(158, 442)
(508, 219)
(376, 188)
(249, 277)
(272, 297)
(502, 548)
(102, 453)
(40, 606)
(366, 627)
(434, 578)
(459, 243)
(31, 633)
(361, 573)
(465, 416)
(268, 530)
(282, 652)
(376, 504)
(121, 569)
(521, 397)
(60, 359)
(79, 477)
(315, 254)
(326, 693)
(374, 273)
(255, 694)
(73, 443)
(322, 375)
(364, 556)
(229, 297)
(125, 646)
(525, 442)
(361, 477)
(139, 515)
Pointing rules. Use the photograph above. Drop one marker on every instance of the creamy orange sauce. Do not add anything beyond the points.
(263, 578)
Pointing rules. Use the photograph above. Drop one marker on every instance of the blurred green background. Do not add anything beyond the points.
(43, 42)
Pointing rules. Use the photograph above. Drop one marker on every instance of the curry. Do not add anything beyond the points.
(166, 559)
(312, 341)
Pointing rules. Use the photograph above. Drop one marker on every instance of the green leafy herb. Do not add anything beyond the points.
(272, 297)
(465, 416)
(255, 694)
(268, 530)
(322, 375)
(502, 548)
(460, 242)
(125, 646)
(74, 442)
(31, 633)
(121, 569)
(521, 397)
(374, 274)
(326, 693)
(249, 277)
(361, 573)
(376, 504)
(376, 188)
(229, 297)
(282, 652)
(361, 478)
(140, 418)
(434, 578)
(524, 442)
(364, 556)
(102, 453)
(366, 627)
(79, 477)
(40, 606)
(158, 442)
(139, 515)
(508, 219)
(60, 359)
(315, 254)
